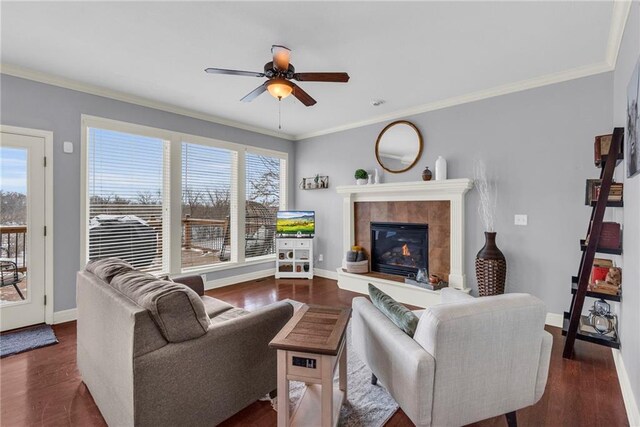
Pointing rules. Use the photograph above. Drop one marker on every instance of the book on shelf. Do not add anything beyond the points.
(601, 147)
(610, 236)
(593, 191)
(605, 288)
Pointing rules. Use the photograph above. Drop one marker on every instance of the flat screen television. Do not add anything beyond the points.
(296, 224)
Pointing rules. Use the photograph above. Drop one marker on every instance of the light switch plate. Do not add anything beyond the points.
(520, 219)
(67, 147)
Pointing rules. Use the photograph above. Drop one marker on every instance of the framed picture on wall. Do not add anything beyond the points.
(632, 154)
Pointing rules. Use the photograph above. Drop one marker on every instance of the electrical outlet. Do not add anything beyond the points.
(320, 258)
(520, 220)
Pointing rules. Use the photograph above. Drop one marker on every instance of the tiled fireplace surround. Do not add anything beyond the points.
(440, 204)
(433, 213)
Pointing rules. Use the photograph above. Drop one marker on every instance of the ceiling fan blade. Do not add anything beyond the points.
(281, 56)
(322, 77)
(254, 93)
(233, 72)
(302, 96)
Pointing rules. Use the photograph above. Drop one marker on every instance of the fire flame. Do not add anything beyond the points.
(405, 250)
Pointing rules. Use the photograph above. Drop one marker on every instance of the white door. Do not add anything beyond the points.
(22, 233)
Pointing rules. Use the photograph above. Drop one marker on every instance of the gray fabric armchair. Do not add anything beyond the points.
(155, 353)
(470, 358)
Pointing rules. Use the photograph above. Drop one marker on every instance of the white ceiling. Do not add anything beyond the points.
(416, 56)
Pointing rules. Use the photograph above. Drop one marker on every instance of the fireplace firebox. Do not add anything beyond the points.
(399, 248)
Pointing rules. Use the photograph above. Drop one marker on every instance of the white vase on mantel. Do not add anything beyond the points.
(441, 169)
(361, 181)
(376, 176)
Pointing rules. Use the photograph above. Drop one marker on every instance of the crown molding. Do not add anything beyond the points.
(536, 82)
(619, 15)
(562, 76)
(29, 74)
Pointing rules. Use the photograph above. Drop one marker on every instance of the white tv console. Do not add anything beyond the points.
(294, 258)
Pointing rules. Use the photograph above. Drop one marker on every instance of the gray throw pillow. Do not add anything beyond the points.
(400, 315)
(177, 310)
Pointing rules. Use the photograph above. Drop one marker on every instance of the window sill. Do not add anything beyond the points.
(226, 266)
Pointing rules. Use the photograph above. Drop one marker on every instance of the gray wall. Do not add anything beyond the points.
(630, 311)
(36, 105)
(539, 145)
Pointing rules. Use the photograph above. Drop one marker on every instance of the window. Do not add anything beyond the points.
(127, 198)
(206, 205)
(169, 202)
(263, 176)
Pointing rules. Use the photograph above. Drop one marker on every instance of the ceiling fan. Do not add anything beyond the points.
(279, 73)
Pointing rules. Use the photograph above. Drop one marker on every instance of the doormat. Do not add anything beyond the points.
(26, 339)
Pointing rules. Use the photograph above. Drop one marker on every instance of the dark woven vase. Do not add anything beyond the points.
(491, 268)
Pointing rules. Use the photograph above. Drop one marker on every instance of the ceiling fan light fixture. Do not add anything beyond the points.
(281, 56)
(279, 88)
(279, 73)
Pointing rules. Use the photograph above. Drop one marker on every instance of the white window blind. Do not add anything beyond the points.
(128, 198)
(206, 204)
(265, 177)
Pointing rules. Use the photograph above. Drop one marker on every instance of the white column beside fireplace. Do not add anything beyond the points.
(452, 190)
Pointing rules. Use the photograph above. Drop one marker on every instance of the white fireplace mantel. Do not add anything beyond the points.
(425, 190)
(452, 190)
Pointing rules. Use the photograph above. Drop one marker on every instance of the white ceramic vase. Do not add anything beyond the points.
(441, 169)
(361, 181)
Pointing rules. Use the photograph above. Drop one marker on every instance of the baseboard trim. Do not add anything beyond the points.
(554, 319)
(327, 274)
(65, 316)
(232, 280)
(633, 414)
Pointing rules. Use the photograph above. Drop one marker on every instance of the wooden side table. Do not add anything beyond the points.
(310, 347)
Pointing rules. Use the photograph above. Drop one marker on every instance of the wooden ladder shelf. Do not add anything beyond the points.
(581, 283)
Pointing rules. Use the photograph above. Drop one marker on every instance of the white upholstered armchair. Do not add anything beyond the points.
(470, 358)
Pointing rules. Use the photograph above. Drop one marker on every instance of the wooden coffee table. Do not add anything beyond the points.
(310, 347)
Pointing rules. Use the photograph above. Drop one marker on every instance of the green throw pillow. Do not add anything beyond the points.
(400, 315)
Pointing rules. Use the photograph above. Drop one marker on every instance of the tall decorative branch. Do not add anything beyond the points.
(488, 195)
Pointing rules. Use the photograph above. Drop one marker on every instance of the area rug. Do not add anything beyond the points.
(367, 405)
(26, 339)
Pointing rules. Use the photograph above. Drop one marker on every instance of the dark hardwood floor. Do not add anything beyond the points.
(43, 387)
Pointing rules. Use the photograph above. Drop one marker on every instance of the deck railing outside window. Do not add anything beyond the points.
(13, 244)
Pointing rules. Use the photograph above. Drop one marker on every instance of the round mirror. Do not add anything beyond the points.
(399, 146)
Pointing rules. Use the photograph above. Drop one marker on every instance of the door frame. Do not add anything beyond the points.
(48, 210)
